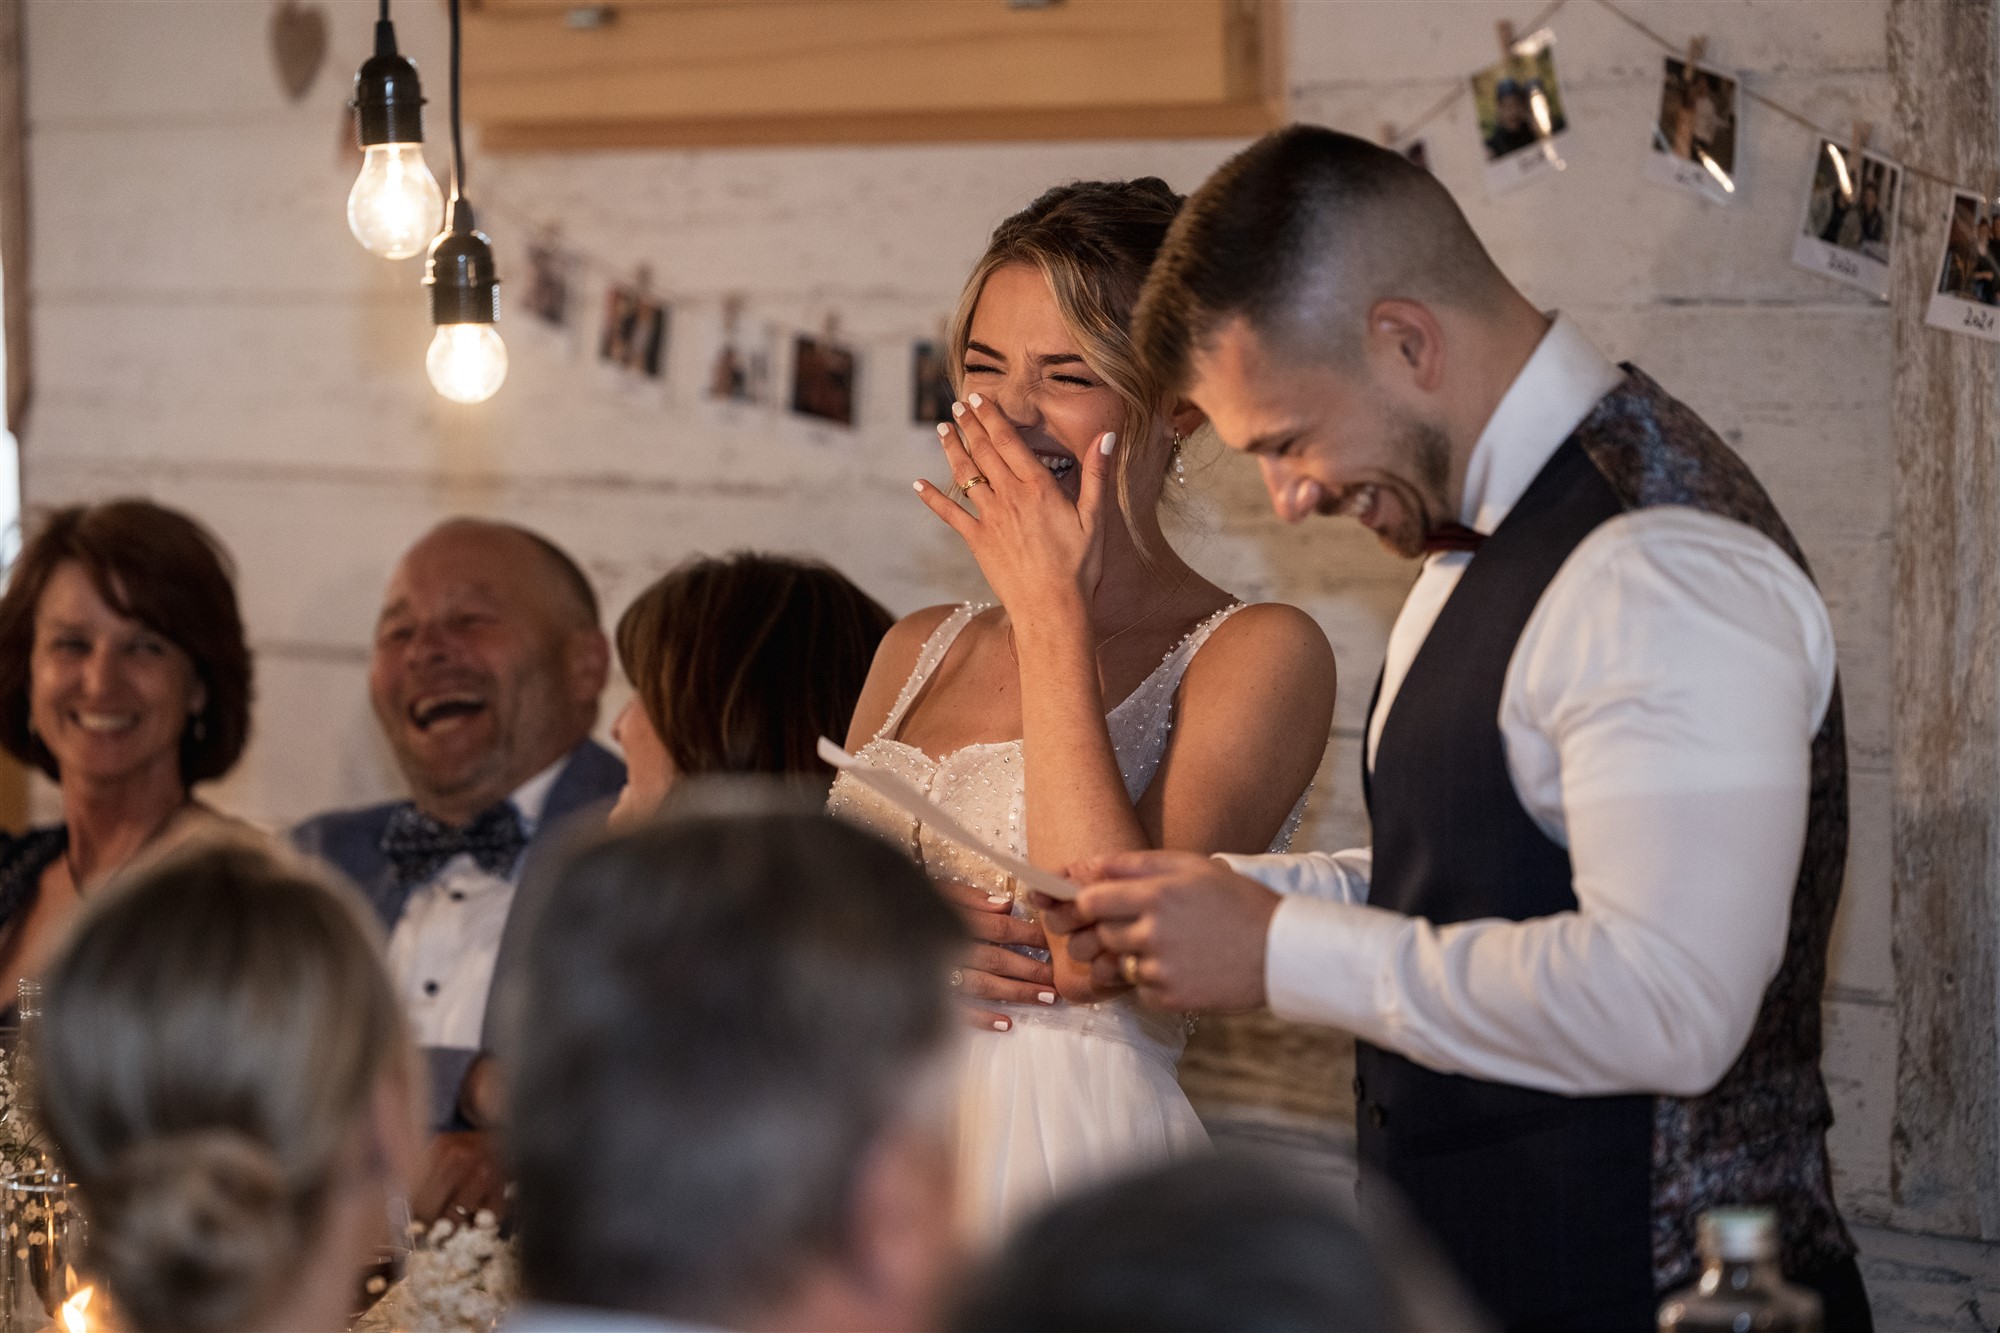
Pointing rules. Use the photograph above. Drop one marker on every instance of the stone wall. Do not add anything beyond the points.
(207, 332)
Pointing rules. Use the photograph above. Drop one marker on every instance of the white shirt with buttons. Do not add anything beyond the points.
(444, 947)
(1658, 716)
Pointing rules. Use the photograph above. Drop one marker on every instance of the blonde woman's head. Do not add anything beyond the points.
(220, 1040)
(1044, 328)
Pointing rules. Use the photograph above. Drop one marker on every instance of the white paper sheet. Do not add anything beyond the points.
(903, 794)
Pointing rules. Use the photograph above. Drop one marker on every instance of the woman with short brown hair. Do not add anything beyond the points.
(124, 676)
(740, 665)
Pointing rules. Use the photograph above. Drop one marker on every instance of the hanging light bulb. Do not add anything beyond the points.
(395, 207)
(467, 361)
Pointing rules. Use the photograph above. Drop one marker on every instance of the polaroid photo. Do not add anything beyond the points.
(634, 336)
(741, 369)
(1849, 224)
(1521, 118)
(1694, 139)
(550, 269)
(931, 394)
(1967, 296)
(823, 379)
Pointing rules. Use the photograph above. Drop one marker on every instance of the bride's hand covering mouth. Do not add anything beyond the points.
(1032, 542)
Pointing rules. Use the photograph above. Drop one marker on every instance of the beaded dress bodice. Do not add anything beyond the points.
(985, 786)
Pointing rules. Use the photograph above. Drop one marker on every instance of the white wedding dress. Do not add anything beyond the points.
(1073, 1092)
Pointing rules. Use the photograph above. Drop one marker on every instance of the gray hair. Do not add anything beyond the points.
(216, 1028)
(734, 1000)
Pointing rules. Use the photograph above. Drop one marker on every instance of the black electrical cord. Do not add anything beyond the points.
(457, 144)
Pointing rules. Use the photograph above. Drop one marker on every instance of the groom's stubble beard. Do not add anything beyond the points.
(1422, 495)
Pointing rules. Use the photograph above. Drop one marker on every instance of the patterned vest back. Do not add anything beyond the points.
(1557, 1205)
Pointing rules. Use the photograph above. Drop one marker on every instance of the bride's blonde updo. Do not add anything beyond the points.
(1093, 241)
(215, 1030)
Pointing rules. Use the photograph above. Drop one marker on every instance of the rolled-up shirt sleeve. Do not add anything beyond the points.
(1658, 715)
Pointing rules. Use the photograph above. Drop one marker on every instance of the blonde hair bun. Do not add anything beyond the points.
(194, 1230)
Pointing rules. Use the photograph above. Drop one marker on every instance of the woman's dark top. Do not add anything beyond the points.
(22, 861)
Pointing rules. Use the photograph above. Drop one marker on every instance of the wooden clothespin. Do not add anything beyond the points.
(642, 280)
(1860, 139)
(1505, 30)
(1697, 49)
(732, 312)
(1386, 135)
(829, 330)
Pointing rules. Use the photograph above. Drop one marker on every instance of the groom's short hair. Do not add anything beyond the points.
(1301, 234)
(724, 1010)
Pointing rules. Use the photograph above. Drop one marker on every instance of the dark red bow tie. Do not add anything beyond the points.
(1452, 537)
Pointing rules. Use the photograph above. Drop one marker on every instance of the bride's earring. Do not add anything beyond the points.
(1180, 461)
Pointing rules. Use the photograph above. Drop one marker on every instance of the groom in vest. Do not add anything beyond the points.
(1605, 762)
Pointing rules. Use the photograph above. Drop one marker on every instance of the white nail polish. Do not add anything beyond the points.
(1110, 442)
(997, 898)
(957, 409)
(1046, 997)
(976, 400)
(944, 431)
(1001, 1025)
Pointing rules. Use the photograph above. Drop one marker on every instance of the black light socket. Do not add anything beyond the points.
(388, 102)
(464, 281)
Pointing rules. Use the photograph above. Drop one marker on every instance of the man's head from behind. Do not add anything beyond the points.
(1326, 303)
(729, 1088)
(1212, 1244)
(488, 663)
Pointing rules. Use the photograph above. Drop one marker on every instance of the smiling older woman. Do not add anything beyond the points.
(125, 678)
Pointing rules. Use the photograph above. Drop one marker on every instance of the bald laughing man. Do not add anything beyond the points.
(485, 676)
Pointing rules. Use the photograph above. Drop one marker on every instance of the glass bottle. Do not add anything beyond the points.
(28, 1017)
(1740, 1289)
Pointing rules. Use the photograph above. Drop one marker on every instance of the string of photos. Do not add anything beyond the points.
(1846, 231)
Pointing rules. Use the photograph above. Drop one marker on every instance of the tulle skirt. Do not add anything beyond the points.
(1046, 1110)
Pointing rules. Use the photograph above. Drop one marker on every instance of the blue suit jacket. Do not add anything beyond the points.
(351, 842)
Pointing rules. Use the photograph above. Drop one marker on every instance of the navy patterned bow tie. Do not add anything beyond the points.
(418, 846)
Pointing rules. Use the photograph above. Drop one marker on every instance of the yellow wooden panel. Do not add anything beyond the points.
(810, 71)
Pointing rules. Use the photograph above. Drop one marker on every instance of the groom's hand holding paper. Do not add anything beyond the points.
(1195, 928)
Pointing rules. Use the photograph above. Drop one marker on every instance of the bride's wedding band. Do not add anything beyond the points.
(970, 482)
(1128, 967)
(957, 978)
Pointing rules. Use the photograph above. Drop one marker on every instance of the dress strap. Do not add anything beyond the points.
(928, 658)
(1176, 664)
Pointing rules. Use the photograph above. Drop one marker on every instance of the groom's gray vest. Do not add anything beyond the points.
(1557, 1205)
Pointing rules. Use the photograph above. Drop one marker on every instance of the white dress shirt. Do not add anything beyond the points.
(1657, 717)
(444, 946)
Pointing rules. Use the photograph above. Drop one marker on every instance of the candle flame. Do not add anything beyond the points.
(74, 1316)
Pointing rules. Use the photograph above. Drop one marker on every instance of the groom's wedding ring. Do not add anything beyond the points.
(957, 978)
(1128, 967)
(970, 482)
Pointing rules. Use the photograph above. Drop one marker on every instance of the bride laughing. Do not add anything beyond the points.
(1113, 699)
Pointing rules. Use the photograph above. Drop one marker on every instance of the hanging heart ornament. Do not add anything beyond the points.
(298, 46)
